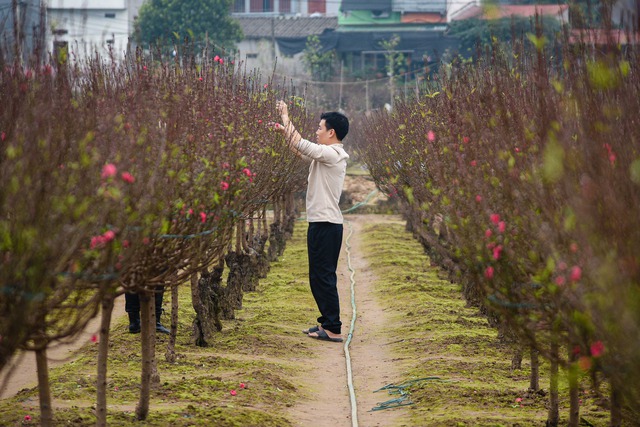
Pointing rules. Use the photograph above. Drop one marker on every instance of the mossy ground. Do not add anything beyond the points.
(436, 334)
(254, 349)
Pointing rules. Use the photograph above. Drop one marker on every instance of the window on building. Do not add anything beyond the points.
(317, 6)
(252, 55)
(267, 5)
(109, 15)
(238, 6)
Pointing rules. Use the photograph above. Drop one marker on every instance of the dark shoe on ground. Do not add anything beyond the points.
(134, 328)
(311, 329)
(134, 323)
(323, 336)
(161, 328)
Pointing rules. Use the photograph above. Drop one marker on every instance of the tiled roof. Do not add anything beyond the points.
(599, 36)
(285, 27)
(506, 11)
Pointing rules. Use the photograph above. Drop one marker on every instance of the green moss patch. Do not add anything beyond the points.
(439, 335)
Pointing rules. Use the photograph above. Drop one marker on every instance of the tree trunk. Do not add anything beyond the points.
(44, 391)
(616, 406)
(534, 380)
(553, 417)
(207, 297)
(103, 352)
(147, 343)
(516, 359)
(233, 292)
(574, 400)
(170, 355)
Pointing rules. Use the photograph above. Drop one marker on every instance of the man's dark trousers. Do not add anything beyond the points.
(324, 240)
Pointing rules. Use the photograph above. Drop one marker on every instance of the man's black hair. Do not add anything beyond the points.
(338, 122)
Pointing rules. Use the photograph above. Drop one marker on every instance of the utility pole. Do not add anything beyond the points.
(17, 36)
(341, 81)
(273, 38)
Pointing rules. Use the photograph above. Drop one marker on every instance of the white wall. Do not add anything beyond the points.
(89, 30)
(455, 6)
(289, 66)
(86, 4)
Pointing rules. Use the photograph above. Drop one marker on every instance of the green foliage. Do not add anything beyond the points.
(318, 63)
(172, 21)
(394, 61)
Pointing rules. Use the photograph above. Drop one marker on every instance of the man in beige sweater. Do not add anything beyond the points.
(324, 237)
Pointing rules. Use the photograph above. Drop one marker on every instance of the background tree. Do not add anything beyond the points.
(197, 19)
(317, 62)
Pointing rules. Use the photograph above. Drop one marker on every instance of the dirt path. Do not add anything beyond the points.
(21, 371)
(371, 363)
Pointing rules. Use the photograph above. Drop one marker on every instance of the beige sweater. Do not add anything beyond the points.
(326, 178)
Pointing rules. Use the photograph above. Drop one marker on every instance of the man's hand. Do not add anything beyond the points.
(283, 110)
(276, 126)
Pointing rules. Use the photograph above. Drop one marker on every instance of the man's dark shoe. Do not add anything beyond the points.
(161, 328)
(134, 323)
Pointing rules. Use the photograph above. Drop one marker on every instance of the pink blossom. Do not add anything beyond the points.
(225, 165)
(431, 136)
(495, 218)
(27, 418)
(517, 150)
(246, 171)
(473, 163)
(243, 385)
(109, 170)
(224, 186)
(597, 349)
(497, 251)
(94, 338)
(145, 241)
(203, 217)
(575, 274)
(487, 233)
(562, 266)
(127, 177)
(502, 226)
(108, 235)
(488, 273)
(216, 58)
(478, 198)
(125, 244)
(3, 136)
(233, 392)
(519, 399)
(201, 79)
(115, 388)
(465, 139)
(97, 242)
(221, 61)
(612, 158)
(560, 280)
(190, 212)
(259, 121)
(266, 85)
(144, 68)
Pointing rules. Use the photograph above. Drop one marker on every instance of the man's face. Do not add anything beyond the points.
(323, 136)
